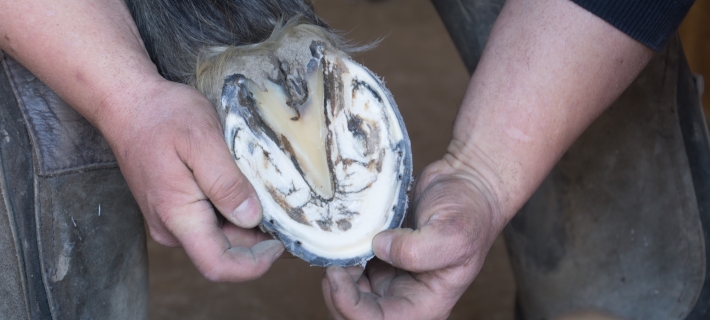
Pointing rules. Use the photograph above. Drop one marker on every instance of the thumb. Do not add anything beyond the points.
(427, 249)
(224, 184)
(447, 234)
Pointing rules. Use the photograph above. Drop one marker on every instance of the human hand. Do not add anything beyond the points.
(166, 136)
(169, 146)
(456, 219)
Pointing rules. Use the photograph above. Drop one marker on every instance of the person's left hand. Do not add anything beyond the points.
(456, 220)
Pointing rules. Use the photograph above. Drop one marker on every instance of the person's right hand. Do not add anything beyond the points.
(170, 148)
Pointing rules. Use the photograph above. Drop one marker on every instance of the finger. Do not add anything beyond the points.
(363, 284)
(355, 272)
(159, 233)
(327, 296)
(163, 236)
(349, 303)
(241, 237)
(447, 233)
(436, 245)
(210, 250)
(346, 301)
(381, 276)
(222, 182)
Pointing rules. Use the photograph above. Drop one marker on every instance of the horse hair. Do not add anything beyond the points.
(175, 32)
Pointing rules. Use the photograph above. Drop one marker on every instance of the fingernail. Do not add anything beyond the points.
(382, 245)
(247, 212)
(273, 248)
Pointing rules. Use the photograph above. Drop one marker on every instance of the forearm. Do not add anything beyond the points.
(89, 52)
(549, 69)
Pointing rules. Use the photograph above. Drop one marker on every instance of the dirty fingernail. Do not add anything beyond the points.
(273, 248)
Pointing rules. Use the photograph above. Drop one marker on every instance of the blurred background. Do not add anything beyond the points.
(421, 67)
(695, 36)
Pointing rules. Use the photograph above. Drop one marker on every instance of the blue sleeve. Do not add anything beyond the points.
(651, 22)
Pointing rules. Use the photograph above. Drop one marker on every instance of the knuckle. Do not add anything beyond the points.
(407, 254)
(159, 204)
(162, 237)
(241, 270)
(169, 220)
(228, 188)
(210, 270)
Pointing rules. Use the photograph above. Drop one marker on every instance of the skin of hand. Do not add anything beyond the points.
(548, 70)
(166, 136)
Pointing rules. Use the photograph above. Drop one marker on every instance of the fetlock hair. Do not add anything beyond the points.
(175, 32)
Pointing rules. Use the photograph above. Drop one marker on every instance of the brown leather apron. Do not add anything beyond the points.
(71, 235)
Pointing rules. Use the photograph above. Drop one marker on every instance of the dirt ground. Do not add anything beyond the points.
(422, 69)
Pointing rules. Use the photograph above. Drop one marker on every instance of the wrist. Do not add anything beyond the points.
(122, 97)
(482, 169)
(125, 106)
(479, 177)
